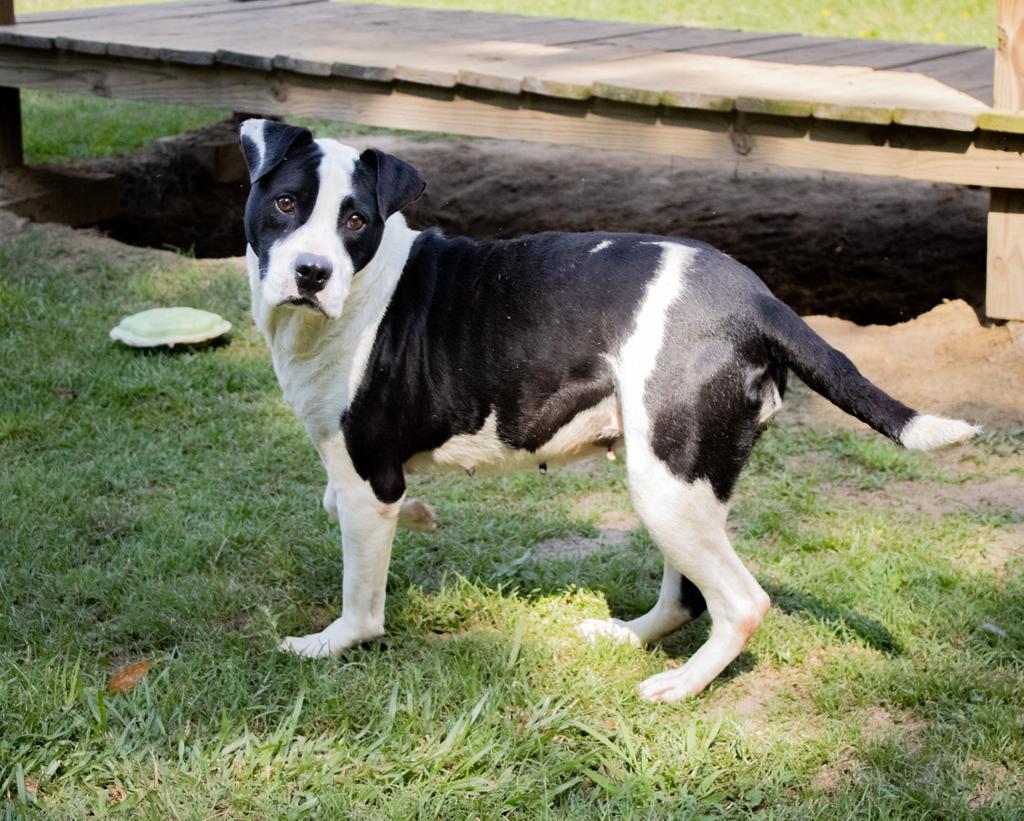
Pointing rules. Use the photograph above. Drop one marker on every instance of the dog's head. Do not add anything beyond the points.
(316, 212)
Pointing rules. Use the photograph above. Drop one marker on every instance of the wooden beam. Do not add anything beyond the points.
(10, 108)
(1004, 288)
(892, 150)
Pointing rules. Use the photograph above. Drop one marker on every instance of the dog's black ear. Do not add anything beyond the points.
(398, 183)
(265, 144)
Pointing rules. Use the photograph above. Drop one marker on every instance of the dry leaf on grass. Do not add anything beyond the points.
(66, 394)
(116, 793)
(127, 677)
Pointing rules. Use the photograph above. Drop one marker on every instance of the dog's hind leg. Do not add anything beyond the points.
(679, 602)
(687, 521)
(685, 446)
(331, 500)
(691, 394)
(415, 514)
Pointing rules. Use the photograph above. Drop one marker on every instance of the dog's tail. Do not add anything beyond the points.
(793, 343)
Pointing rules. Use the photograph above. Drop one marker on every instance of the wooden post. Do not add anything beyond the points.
(10, 108)
(1004, 287)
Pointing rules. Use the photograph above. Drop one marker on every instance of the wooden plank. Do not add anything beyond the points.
(462, 26)
(905, 152)
(438, 26)
(1008, 69)
(272, 40)
(178, 6)
(1005, 120)
(546, 31)
(267, 36)
(959, 71)
(982, 93)
(683, 80)
(10, 37)
(944, 64)
(880, 54)
(95, 20)
(868, 53)
(151, 11)
(148, 36)
(11, 154)
(1004, 284)
(795, 91)
(569, 74)
(750, 48)
(619, 38)
(186, 39)
(672, 38)
(845, 93)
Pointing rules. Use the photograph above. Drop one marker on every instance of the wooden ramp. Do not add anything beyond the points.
(869, 107)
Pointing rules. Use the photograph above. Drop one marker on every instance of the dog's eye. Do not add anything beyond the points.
(355, 222)
(285, 203)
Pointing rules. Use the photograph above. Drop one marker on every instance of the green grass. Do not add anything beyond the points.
(62, 128)
(171, 511)
(66, 128)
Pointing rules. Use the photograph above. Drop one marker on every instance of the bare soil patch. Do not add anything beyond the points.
(991, 779)
(614, 524)
(606, 511)
(1002, 495)
(994, 551)
(573, 546)
(770, 698)
(878, 724)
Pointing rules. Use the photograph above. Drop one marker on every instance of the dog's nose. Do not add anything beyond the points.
(311, 273)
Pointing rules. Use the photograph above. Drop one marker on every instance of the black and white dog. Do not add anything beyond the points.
(407, 351)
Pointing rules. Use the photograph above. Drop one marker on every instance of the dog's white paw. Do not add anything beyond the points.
(313, 646)
(332, 640)
(595, 629)
(416, 514)
(670, 686)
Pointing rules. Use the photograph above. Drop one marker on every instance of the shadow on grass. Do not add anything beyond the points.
(623, 603)
(185, 347)
(797, 603)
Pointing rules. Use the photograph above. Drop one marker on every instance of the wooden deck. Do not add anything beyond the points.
(870, 107)
(791, 75)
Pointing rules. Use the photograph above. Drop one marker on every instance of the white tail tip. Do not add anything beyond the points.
(927, 432)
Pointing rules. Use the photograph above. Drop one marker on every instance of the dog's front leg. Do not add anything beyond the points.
(367, 530)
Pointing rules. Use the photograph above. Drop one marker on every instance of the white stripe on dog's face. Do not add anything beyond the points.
(316, 212)
(318, 236)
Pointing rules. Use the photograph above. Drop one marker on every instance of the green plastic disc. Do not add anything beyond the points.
(169, 326)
